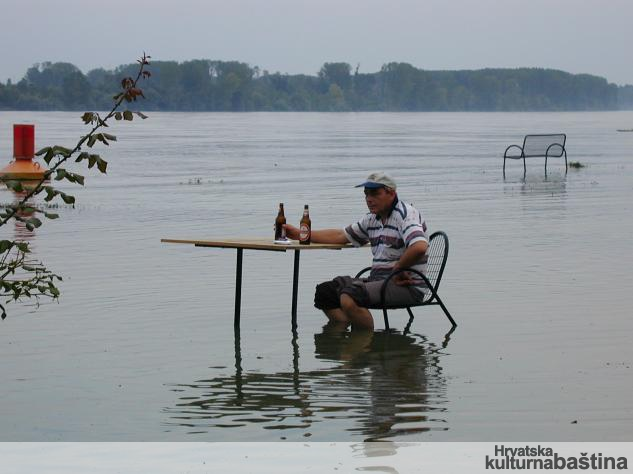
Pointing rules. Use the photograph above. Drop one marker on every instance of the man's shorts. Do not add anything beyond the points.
(365, 292)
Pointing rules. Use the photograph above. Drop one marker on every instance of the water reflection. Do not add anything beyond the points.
(376, 385)
(20, 231)
(539, 196)
(534, 186)
(378, 455)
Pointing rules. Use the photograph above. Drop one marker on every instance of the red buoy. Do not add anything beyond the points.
(23, 167)
(23, 141)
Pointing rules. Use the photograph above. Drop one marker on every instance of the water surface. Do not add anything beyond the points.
(141, 344)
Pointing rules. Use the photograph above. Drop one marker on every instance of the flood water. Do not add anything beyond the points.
(141, 345)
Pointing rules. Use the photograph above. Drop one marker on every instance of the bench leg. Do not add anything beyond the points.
(448, 315)
(384, 315)
(408, 326)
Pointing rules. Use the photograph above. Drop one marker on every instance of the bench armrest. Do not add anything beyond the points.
(505, 153)
(562, 149)
(364, 270)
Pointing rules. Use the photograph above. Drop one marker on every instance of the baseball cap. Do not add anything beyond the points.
(378, 180)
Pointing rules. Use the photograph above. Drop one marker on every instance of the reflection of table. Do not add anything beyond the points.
(259, 244)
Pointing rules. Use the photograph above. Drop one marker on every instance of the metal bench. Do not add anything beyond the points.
(548, 145)
(437, 256)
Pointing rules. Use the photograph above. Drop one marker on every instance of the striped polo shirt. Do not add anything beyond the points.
(404, 227)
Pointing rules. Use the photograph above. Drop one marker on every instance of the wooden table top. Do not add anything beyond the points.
(255, 244)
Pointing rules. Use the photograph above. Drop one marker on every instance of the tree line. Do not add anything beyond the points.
(208, 85)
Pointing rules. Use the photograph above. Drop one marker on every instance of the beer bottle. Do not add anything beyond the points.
(280, 221)
(305, 227)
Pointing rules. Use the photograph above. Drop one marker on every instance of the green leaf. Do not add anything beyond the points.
(109, 137)
(61, 174)
(127, 115)
(23, 247)
(92, 140)
(142, 115)
(102, 165)
(92, 160)
(78, 179)
(35, 221)
(15, 186)
(67, 198)
(50, 193)
(5, 245)
(51, 215)
(87, 117)
(118, 115)
(43, 151)
(49, 155)
(102, 138)
(60, 150)
(82, 156)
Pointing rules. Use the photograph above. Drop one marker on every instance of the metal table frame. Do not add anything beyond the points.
(259, 244)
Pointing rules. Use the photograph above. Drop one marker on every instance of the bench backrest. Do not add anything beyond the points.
(437, 255)
(537, 145)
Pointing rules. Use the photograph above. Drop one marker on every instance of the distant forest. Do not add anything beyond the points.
(207, 85)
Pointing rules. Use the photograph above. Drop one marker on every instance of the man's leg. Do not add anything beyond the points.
(395, 295)
(326, 299)
(359, 317)
(336, 315)
(332, 328)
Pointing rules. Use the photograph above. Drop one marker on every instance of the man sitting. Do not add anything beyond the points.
(397, 234)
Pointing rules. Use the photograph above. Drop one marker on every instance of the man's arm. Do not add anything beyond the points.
(412, 255)
(324, 236)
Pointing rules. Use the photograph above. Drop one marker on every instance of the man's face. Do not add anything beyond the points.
(379, 200)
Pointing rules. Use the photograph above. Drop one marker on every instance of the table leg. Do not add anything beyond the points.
(295, 361)
(238, 288)
(295, 284)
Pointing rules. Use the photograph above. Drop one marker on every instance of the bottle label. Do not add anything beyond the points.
(304, 232)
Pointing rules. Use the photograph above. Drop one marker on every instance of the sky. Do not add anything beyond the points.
(298, 36)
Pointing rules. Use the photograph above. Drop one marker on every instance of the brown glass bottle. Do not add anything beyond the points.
(280, 221)
(305, 227)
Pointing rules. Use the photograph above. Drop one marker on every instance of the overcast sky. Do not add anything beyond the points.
(298, 36)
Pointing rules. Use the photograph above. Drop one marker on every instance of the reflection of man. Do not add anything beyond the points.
(397, 234)
(398, 372)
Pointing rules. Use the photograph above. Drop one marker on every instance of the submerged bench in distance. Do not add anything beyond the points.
(548, 145)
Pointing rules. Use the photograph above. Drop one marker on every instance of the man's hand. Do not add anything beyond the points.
(291, 232)
(403, 279)
(410, 257)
